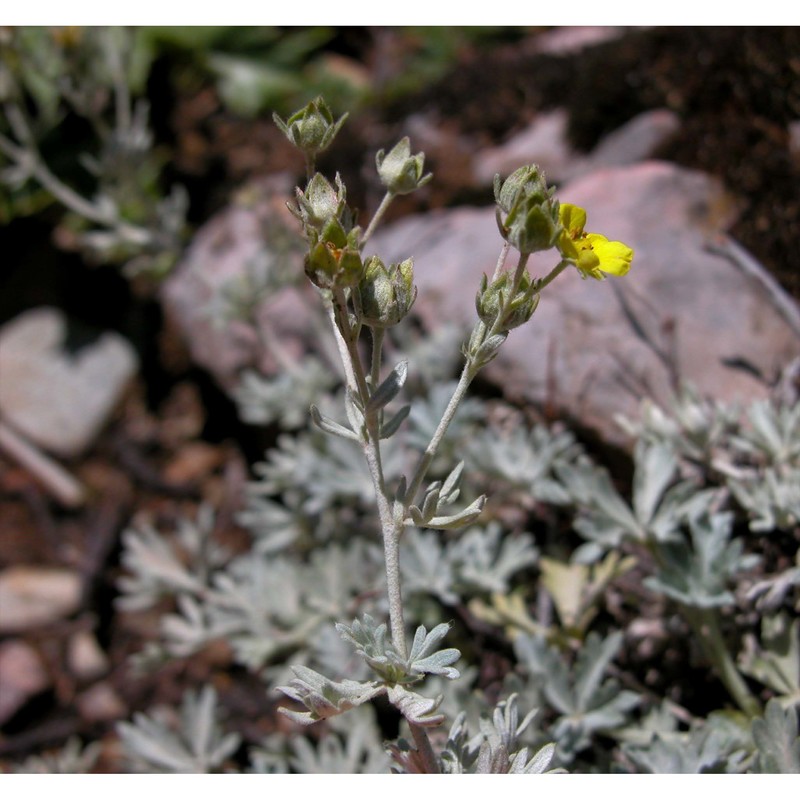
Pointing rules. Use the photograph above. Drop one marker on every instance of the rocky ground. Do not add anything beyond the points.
(684, 143)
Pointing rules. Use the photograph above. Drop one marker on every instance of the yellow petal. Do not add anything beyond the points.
(614, 257)
(573, 218)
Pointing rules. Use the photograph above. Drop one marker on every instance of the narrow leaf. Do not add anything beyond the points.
(388, 390)
(329, 426)
(390, 428)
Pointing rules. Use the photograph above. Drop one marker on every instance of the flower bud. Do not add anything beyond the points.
(500, 313)
(399, 171)
(320, 202)
(387, 294)
(334, 258)
(312, 128)
(531, 222)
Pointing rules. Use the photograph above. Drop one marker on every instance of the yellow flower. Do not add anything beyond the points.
(591, 253)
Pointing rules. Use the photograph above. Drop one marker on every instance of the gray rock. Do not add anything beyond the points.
(59, 400)
(594, 349)
(34, 596)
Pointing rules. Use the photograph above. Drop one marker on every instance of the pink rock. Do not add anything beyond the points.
(22, 675)
(58, 400)
(220, 254)
(586, 350)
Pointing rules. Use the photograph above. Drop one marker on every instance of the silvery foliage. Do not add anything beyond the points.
(72, 759)
(193, 743)
(705, 749)
(45, 77)
(425, 415)
(756, 455)
(481, 559)
(352, 746)
(496, 749)
(587, 703)
(525, 463)
(773, 659)
(697, 573)
(261, 605)
(283, 398)
(319, 471)
(324, 698)
(770, 592)
(157, 565)
(659, 505)
(778, 740)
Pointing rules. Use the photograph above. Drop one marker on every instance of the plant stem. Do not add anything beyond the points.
(424, 749)
(391, 525)
(467, 374)
(705, 624)
(387, 198)
(552, 275)
(28, 155)
(377, 348)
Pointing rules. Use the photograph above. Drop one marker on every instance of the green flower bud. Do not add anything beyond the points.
(531, 222)
(334, 258)
(399, 171)
(387, 294)
(500, 313)
(320, 202)
(312, 128)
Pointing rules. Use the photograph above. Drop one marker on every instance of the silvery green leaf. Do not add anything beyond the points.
(431, 501)
(770, 592)
(427, 412)
(489, 349)
(325, 698)
(459, 520)
(771, 498)
(701, 751)
(157, 564)
(424, 659)
(591, 665)
(283, 397)
(524, 462)
(198, 746)
(329, 426)
(485, 558)
(655, 469)
(353, 747)
(389, 389)
(774, 433)
(536, 765)
(71, 759)
(496, 749)
(417, 709)
(588, 704)
(426, 568)
(777, 739)
(450, 485)
(697, 574)
(388, 429)
(775, 659)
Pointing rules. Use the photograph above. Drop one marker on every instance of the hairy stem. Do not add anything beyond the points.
(387, 199)
(426, 459)
(424, 749)
(377, 349)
